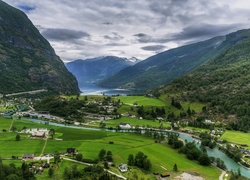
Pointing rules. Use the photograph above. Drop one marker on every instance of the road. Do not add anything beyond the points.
(118, 175)
(222, 175)
(26, 92)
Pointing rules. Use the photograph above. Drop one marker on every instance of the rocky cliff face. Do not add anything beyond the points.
(27, 61)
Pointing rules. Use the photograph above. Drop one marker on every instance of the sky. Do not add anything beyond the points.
(81, 29)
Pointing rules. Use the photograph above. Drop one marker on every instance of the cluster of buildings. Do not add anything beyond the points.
(37, 132)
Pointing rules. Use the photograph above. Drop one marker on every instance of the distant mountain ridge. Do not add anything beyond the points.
(163, 68)
(27, 61)
(96, 69)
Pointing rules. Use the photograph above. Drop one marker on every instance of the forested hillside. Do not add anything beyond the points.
(27, 61)
(223, 83)
(163, 68)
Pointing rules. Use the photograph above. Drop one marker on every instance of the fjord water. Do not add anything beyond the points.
(93, 89)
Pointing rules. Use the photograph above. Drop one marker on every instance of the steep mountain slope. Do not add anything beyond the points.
(27, 61)
(169, 65)
(223, 83)
(96, 69)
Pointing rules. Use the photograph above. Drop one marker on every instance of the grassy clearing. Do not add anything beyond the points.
(141, 101)
(77, 134)
(236, 137)
(59, 169)
(135, 122)
(18, 148)
(5, 123)
(20, 124)
(163, 158)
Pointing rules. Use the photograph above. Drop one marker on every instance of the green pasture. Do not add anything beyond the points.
(164, 158)
(58, 170)
(196, 106)
(5, 123)
(89, 143)
(236, 137)
(82, 97)
(20, 124)
(78, 134)
(135, 122)
(141, 101)
(18, 148)
(163, 101)
(197, 130)
(17, 163)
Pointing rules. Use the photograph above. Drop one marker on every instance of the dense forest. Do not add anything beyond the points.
(222, 83)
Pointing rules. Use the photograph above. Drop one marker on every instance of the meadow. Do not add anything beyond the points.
(5, 123)
(141, 101)
(236, 137)
(90, 142)
(136, 121)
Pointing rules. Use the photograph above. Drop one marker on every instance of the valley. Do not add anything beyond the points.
(76, 103)
(88, 137)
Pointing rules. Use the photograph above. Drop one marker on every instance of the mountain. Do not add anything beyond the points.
(163, 68)
(27, 61)
(222, 83)
(96, 69)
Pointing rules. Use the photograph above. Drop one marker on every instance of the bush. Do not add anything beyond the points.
(95, 161)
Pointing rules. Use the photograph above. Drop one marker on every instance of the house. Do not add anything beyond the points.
(28, 157)
(39, 134)
(207, 121)
(46, 165)
(123, 167)
(125, 126)
(163, 175)
(71, 150)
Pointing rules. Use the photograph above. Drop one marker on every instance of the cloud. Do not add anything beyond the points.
(201, 31)
(143, 38)
(153, 48)
(64, 34)
(116, 44)
(107, 23)
(114, 36)
(81, 29)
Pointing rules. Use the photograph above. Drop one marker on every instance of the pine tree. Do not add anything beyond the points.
(175, 169)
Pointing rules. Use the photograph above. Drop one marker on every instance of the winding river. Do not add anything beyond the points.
(230, 164)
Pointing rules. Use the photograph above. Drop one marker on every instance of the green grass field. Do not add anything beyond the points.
(135, 122)
(5, 123)
(141, 101)
(89, 143)
(237, 137)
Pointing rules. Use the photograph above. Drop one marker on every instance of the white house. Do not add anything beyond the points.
(123, 167)
(125, 126)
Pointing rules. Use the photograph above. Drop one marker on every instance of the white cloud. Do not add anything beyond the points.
(83, 29)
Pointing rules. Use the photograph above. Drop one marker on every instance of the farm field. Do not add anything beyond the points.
(5, 123)
(237, 137)
(89, 143)
(135, 122)
(141, 101)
